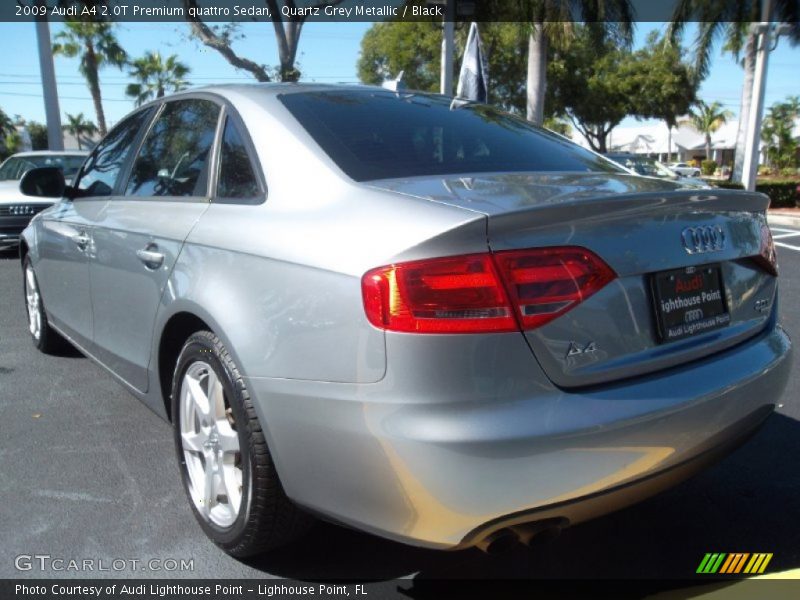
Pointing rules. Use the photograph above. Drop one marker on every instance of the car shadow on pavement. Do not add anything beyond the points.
(749, 502)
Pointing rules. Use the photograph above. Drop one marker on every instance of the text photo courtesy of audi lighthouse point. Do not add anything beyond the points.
(413, 298)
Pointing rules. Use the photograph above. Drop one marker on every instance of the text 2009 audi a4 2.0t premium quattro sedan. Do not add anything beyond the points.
(428, 321)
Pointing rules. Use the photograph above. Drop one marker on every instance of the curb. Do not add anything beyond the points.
(783, 219)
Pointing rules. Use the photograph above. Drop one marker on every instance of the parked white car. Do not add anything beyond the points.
(16, 209)
(685, 169)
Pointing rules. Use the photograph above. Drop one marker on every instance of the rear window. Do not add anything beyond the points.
(383, 135)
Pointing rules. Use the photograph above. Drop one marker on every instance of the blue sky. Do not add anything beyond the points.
(328, 53)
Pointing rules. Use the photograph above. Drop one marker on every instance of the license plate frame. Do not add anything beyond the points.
(689, 301)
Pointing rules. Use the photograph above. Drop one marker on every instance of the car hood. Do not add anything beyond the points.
(10, 194)
(494, 194)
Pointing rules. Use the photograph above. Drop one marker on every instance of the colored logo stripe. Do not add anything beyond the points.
(711, 562)
(758, 563)
(733, 563)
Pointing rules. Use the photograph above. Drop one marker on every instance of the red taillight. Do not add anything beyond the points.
(482, 292)
(462, 294)
(767, 256)
(545, 283)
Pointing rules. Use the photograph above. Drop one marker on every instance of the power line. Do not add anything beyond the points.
(65, 97)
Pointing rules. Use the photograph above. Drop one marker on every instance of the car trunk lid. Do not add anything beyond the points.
(647, 231)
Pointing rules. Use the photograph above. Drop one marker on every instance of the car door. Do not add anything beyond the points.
(65, 237)
(143, 229)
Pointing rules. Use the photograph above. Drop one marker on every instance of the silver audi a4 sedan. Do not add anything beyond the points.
(427, 320)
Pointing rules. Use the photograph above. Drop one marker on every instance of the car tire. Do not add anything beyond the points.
(695, 173)
(45, 338)
(220, 445)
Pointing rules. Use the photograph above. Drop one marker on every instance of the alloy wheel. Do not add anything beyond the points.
(33, 304)
(210, 446)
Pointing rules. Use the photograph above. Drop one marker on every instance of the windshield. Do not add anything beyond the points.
(380, 135)
(16, 166)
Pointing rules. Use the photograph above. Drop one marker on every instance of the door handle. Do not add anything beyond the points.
(81, 240)
(150, 258)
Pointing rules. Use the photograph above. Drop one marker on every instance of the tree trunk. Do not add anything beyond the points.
(537, 74)
(288, 37)
(744, 111)
(94, 89)
(708, 146)
(602, 140)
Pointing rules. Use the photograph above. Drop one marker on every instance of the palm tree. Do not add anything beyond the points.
(731, 20)
(706, 119)
(6, 125)
(96, 46)
(156, 77)
(78, 126)
(553, 26)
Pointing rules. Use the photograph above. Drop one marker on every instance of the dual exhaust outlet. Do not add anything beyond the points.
(526, 534)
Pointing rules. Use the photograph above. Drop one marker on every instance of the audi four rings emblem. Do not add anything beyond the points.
(708, 238)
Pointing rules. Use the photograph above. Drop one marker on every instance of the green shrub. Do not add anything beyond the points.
(782, 193)
(708, 167)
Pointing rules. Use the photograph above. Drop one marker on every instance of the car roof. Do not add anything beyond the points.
(258, 91)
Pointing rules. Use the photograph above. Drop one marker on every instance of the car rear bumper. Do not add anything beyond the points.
(448, 469)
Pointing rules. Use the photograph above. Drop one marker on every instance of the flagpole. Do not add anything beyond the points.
(448, 45)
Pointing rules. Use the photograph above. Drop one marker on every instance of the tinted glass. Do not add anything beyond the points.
(16, 166)
(99, 175)
(174, 155)
(236, 178)
(377, 135)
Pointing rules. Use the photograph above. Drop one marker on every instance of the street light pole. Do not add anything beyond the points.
(751, 152)
(55, 138)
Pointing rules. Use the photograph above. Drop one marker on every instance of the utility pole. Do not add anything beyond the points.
(55, 137)
(448, 46)
(750, 167)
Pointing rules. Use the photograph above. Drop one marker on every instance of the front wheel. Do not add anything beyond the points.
(45, 338)
(227, 470)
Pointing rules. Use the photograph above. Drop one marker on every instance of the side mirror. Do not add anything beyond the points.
(44, 182)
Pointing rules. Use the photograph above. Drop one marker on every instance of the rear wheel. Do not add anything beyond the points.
(226, 467)
(45, 338)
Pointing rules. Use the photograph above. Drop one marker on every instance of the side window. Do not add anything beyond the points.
(236, 178)
(99, 175)
(174, 157)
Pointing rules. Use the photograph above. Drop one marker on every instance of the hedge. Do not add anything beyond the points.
(782, 194)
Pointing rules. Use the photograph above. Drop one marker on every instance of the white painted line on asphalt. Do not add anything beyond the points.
(782, 230)
(785, 235)
(782, 245)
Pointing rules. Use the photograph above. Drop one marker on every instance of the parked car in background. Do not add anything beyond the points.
(685, 169)
(649, 167)
(16, 209)
(433, 322)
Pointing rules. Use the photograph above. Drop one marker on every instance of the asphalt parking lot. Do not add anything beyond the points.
(86, 471)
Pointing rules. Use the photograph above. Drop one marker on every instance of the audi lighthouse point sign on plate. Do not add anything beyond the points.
(689, 301)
